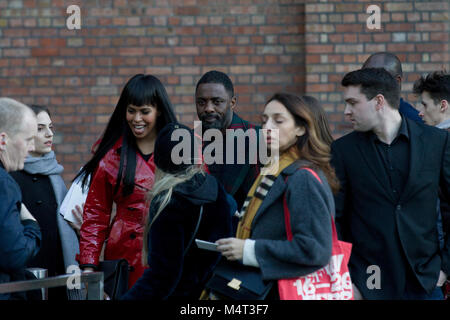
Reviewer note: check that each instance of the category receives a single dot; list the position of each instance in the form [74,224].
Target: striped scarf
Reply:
[258,192]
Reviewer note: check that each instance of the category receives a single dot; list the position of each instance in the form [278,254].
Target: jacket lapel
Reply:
[274,193]
[278,188]
[416,155]
[373,162]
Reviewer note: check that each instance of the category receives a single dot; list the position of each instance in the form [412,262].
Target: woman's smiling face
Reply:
[142,120]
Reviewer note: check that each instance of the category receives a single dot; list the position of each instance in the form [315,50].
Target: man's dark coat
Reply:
[387,233]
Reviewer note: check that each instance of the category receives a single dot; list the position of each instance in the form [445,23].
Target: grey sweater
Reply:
[311,205]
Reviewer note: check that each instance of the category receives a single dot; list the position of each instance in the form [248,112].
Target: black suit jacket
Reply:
[387,233]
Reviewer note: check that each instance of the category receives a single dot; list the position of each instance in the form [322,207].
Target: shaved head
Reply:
[12,113]
[385,60]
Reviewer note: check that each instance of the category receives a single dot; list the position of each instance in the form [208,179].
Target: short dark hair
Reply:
[437,84]
[215,76]
[375,81]
[38,109]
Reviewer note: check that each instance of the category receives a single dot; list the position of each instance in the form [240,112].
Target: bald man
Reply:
[392,64]
[20,235]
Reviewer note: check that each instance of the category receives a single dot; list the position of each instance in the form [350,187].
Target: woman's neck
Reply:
[36,155]
[146,145]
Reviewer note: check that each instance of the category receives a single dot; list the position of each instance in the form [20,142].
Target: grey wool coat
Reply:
[311,205]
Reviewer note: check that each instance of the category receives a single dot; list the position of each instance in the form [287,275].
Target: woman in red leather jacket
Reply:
[121,171]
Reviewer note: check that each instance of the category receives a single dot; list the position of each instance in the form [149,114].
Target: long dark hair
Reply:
[319,113]
[310,146]
[140,90]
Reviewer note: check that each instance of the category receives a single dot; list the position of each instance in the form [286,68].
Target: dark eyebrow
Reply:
[276,114]
[210,98]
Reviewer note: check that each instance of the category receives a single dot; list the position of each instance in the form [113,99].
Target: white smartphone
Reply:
[211,246]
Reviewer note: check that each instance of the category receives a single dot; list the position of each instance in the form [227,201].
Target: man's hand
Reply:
[87,270]
[356,293]
[442,279]
[231,248]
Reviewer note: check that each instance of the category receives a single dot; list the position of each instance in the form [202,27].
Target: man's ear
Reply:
[379,102]
[233,102]
[444,105]
[3,140]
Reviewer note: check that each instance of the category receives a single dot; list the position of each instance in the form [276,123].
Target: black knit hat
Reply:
[164,145]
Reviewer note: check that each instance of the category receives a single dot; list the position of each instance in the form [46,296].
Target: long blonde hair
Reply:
[162,192]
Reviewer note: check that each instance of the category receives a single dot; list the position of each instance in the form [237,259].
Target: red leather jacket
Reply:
[124,234]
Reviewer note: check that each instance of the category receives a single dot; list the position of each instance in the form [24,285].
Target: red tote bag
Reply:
[331,282]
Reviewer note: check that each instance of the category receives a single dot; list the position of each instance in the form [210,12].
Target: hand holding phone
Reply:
[211,246]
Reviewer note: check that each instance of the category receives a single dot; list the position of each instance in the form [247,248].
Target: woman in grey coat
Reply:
[43,190]
[294,133]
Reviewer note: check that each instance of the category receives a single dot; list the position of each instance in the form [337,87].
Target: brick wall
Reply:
[264,45]
[338,41]
[79,74]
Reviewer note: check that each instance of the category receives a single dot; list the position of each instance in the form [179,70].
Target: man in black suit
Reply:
[390,169]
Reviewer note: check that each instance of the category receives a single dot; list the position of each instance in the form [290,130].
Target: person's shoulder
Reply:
[3,173]
[301,173]
[307,183]
[19,175]
[112,156]
[423,128]
[9,189]
[308,175]
[239,123]
[6,178]
[347,139]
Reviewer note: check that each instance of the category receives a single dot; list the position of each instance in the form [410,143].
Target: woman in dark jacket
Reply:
[178,269]
[300,179]
[43,190]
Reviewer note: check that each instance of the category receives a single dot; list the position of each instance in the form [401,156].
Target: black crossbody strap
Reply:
[195,231]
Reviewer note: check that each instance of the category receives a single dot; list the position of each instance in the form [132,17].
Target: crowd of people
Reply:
[387,185]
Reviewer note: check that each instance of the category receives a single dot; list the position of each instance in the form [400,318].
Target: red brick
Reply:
[349,27]
[430,26]
[179,40]
[382,37]
[319,48]
[187,11]
[43,52]
[313,58]
[221,50]
[186,50]
[400,27]
[440,36]
[400,47]
[430,47]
